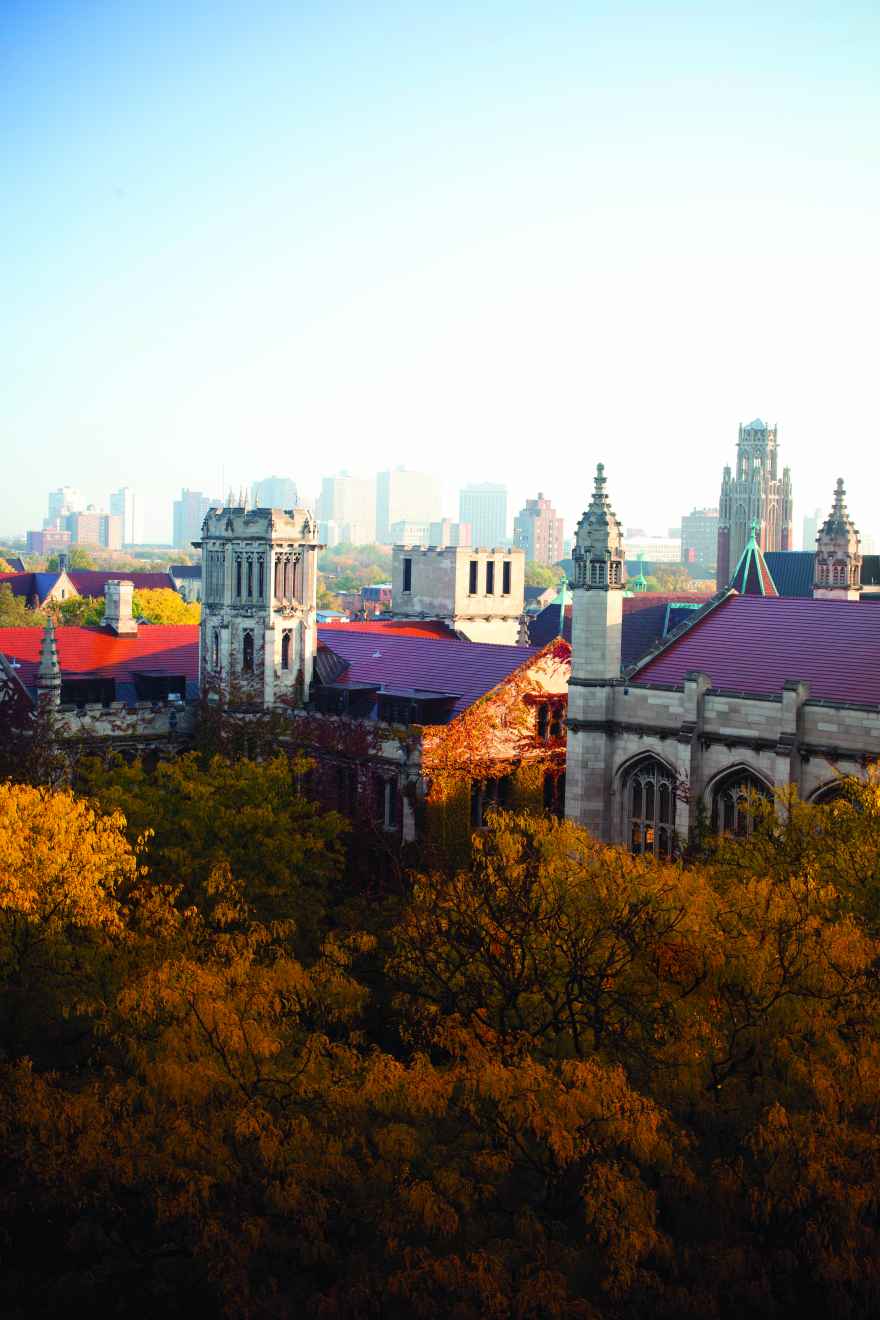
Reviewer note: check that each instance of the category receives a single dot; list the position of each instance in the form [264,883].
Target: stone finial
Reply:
[598,551]
[838,564]
[48,680]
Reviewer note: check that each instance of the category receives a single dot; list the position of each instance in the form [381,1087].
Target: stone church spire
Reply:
[598,549]
[48,680]
[597,589]
[837,574]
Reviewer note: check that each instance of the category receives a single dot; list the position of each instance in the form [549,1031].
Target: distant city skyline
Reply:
[487,242]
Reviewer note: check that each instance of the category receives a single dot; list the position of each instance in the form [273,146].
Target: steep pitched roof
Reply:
[193,572]
[756,643]
[96,653]
[30,585]
[468,669]
[91,582]
[646,618]
[792,571]
[752,577]
[16,563]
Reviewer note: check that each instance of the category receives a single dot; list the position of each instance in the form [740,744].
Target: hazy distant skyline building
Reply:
[756,494]
[811,524]
[447,532]
[274,493]
[484,505]
[123,505]
[350,503]
[92,527]
[189,514]
[537,529]
[405,496]
[64,500]
[699,537]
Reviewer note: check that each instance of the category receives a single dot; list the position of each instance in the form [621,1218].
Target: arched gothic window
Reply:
[649,806]
[731,811]
[215,649]
[247,653]
[285,650]
[833,792]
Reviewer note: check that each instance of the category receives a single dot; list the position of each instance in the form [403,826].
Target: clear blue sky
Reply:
[494,241]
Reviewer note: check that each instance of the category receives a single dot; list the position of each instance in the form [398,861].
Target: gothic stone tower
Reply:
[756,494]
[838,567]
[257,640]
[596,632]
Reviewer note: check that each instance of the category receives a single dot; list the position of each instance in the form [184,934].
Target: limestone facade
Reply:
[479,593]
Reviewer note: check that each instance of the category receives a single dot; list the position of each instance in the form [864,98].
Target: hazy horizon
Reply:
[494,245]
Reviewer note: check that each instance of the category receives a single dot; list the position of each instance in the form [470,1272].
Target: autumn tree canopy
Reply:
[559,1082]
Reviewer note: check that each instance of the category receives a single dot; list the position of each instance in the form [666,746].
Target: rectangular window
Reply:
[262,584]
[407,575]
[490,577]
[238,577]
[505,578]
[250,577]
[472,579]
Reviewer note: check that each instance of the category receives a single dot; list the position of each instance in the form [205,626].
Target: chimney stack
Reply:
[63,561]
[117,608]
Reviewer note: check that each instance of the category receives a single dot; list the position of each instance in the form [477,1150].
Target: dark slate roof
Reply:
[91,582]
[16,563]
[30,585]
[191,571]
[792,571]
[756,643]
[646,619]
[97,653]
[396,661]
[535,593]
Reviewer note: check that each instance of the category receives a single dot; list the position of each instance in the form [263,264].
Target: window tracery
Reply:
[731,808]
[649,798]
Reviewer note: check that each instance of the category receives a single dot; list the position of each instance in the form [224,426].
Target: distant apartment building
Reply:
[350,503]
[410,533]
[699,537]
[93,528]
[48,542]
[484,506]
[404,496]
[812,522]
[122,503]
[537,529]
[274,493]
[654,549]
[447,532]
[189,514]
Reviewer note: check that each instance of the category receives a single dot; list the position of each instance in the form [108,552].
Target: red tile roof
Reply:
[95,653]
[755,643]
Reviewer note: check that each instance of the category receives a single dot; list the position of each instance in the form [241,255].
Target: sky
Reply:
[496,242]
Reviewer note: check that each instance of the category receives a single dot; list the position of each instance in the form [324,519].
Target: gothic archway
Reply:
[731,796]
[648,792]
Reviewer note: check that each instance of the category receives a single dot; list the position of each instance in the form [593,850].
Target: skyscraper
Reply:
[699,537]
[537,529]
[350,503]
[812,522]
[274,493]
[484,506]
[404,496]
[122,503]
[756,494]
[189,514]
[64,500]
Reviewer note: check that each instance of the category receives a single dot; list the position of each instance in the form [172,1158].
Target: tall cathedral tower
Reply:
[756,494]
[259,580]
[596,637]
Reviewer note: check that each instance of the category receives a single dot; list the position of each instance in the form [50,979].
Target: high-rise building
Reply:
[189,514]
[64,500]
[91,527]
[757,494]
[699,537]
[484,506]
[122,503]
[48,541]
[812,522]
[274,493]
[350,503]
[404,496]
[537,529]
[447,532]
[410,533]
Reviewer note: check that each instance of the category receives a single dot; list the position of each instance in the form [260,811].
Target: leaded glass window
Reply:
[649,797]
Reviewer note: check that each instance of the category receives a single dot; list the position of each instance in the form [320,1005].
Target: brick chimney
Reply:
[117,608]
